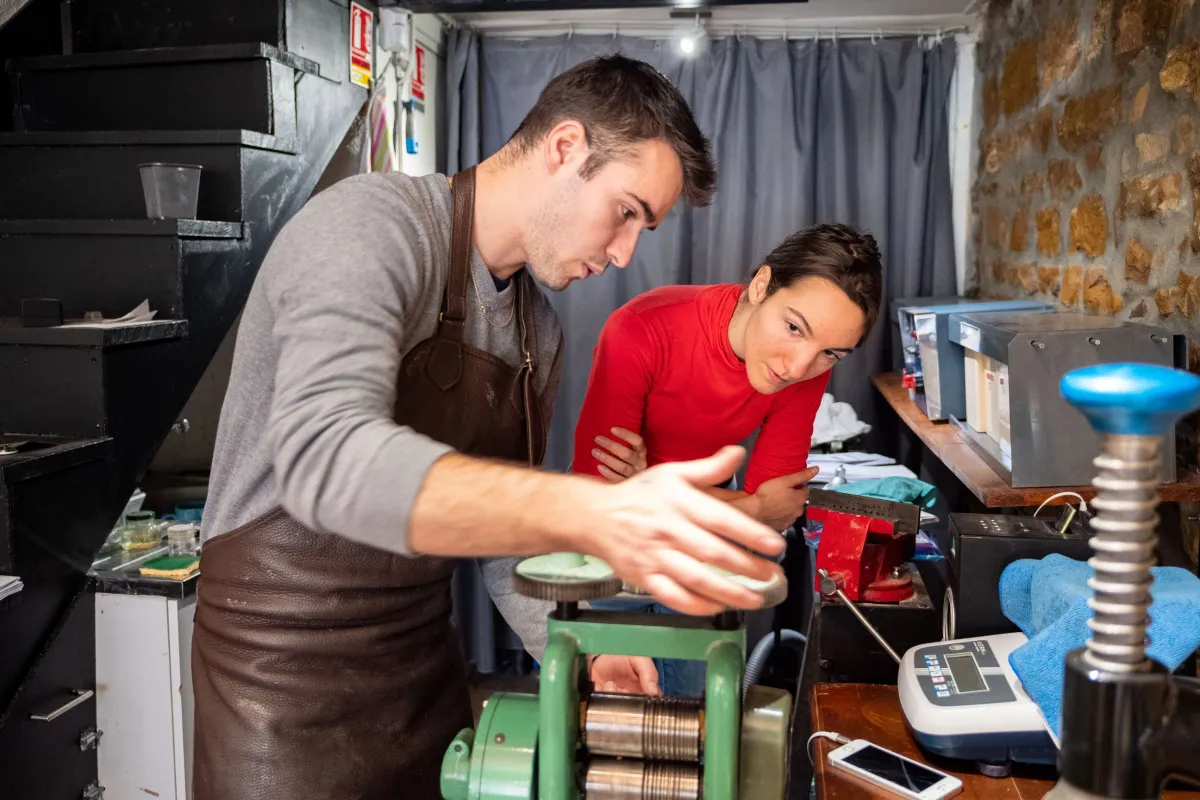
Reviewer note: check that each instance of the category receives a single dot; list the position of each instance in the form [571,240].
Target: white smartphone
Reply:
[893,771]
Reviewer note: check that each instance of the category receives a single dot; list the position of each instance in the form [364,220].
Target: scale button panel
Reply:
[962,674]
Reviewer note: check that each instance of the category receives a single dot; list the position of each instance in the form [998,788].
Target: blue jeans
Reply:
[677,677]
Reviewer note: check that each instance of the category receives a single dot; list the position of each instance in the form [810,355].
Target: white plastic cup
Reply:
[172,191]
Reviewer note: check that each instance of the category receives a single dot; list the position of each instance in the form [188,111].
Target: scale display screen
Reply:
[966,674]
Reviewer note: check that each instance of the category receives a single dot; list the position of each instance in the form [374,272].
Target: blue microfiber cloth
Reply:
[1047,600]
[895,488]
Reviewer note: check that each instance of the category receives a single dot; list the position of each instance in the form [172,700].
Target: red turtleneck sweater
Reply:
[664,368]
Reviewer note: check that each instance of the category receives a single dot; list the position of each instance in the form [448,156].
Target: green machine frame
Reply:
[528,746]
[619,634]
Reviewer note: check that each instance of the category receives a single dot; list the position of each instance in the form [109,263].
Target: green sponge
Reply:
[175,567]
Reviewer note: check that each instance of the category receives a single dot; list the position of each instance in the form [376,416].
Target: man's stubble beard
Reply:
[549,223]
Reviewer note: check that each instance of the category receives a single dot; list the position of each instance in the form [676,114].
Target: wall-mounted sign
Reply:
[362,45]
[418,75]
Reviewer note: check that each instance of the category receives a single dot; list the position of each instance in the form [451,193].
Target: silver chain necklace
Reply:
[483,309]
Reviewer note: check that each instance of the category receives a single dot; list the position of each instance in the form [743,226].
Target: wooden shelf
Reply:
[975,473]
[871,712]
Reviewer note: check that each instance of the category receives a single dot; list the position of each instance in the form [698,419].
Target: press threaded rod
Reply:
[1124,545]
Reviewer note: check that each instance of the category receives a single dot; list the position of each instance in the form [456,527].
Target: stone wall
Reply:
[1087,190]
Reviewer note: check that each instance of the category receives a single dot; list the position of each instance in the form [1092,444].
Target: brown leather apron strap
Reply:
[454,302]
[445,366]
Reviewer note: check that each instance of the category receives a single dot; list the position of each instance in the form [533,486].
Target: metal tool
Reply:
[829,588]
[565,577]
[1127,723]
[865,544]
[568,740]
[839,477]
[614,779]
[637,726]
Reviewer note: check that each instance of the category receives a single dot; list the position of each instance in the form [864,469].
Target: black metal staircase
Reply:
[255,91]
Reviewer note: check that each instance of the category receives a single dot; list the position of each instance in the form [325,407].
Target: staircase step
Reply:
[86,335]
[103,181]
[190,88]
[108,265]
[121,138]
[37,29]
[166,55]
[36,456]
[314,29]
[100,25]
[183,228]
[61,381]
[34,463]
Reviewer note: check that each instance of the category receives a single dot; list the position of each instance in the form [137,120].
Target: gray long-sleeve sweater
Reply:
[350,285]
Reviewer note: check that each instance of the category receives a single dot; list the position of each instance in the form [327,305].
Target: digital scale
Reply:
[961,699]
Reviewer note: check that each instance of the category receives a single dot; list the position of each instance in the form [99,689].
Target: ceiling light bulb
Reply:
[688,45]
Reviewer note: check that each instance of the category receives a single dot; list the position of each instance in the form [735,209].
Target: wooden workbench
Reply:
[975,473]
[863,711]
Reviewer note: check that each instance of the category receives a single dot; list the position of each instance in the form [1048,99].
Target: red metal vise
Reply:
[865,544]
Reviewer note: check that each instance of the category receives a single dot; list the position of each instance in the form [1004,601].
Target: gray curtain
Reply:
[848,130]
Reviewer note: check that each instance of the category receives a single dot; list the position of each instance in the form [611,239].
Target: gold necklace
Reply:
[483,309]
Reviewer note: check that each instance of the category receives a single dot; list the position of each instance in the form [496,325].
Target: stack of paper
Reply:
[10,584]
[140,315]
[859,466]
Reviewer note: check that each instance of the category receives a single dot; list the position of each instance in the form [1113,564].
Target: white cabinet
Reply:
[144,695]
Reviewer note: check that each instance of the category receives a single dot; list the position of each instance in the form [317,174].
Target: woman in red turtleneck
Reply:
[681,371]
[685,370]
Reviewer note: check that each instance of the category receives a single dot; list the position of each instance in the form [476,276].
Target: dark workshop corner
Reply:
[256,93]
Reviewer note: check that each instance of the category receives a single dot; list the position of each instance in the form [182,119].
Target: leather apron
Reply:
[324,668]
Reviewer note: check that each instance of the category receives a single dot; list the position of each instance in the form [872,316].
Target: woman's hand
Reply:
[781,500]
[618,461]
[625,675]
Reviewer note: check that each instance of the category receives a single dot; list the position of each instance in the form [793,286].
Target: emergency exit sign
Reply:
[362,45]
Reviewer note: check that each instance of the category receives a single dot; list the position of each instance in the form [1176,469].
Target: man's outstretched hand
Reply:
[660,531]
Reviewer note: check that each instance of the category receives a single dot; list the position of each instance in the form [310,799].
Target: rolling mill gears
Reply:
[570,743]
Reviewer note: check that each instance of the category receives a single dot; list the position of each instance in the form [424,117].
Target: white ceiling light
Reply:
[693,41]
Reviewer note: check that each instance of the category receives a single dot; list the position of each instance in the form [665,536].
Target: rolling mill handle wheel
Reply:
[1126,720]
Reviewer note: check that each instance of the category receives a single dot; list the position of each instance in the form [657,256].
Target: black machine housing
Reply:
[981,546]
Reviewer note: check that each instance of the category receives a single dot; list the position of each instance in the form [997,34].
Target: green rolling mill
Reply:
[568,742]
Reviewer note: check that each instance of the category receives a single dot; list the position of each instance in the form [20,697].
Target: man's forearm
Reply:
[469,507]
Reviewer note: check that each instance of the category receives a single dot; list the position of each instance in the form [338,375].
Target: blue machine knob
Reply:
[1132,399]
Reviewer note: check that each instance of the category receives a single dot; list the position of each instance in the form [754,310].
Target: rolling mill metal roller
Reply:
[569,742]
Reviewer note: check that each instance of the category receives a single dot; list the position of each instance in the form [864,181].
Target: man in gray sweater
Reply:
[395,365]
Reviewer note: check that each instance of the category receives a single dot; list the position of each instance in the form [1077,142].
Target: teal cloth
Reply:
[896,489]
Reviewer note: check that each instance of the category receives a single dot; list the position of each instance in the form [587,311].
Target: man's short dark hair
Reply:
[843,255]
[622,102]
